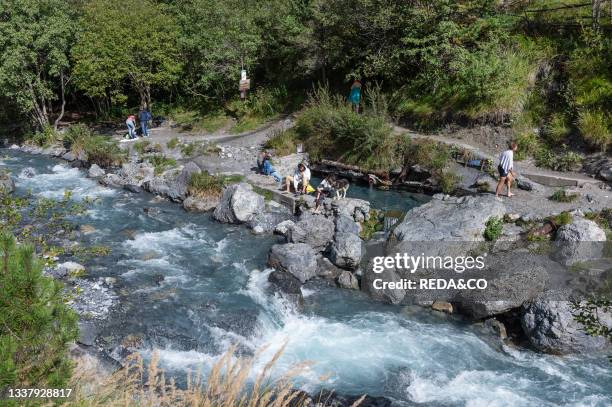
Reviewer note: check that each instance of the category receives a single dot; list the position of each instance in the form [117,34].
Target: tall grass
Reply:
[330,129]
[227,385]
[99,149]
[596,128]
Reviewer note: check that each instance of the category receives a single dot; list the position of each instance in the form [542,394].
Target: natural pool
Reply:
[192,287]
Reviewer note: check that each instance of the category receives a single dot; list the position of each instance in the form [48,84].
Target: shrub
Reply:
[448,181]
[493,228]
[283,142]
[556,130]
[172,143]
[99,150]
[373,224]
[596,128]
[564,218]
[35,323]
[161,163]
[330,129]
[205,184]
[562,195]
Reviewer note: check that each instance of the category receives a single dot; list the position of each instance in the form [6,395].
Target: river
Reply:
[192,287]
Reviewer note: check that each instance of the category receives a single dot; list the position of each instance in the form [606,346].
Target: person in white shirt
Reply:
[300,179]
[506,170]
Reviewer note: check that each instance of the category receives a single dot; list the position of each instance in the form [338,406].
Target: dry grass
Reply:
[226,385]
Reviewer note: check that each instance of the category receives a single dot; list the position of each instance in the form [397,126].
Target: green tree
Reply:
[35,323]
[133,41]
[35,41]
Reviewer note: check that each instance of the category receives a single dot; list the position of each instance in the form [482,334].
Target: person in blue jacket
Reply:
[144,116]
[355,95]
[268,169]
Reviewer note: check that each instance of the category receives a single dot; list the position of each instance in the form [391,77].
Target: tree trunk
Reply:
[63,95]
[595,12]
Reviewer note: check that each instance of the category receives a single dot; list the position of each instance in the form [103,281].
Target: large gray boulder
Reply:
[347,280]
[346,251]
[112,180]
[456,219]
[268,220]
[7,185]
[200,203]
[372,284]
[551,327]
[297,259]
[179,188]
[513,279]
[288,287]
[238,204]
[346,224]
[163,185]
[358,209]
[95,171]
[136,174]
[315,230]
[581,240]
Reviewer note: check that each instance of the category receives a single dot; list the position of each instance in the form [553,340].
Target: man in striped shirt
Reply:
[506,169]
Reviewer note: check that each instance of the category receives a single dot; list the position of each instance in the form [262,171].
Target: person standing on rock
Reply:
[300,179]
[506,170]
[145,116]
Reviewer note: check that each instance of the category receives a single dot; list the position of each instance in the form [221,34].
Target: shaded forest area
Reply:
[541,66]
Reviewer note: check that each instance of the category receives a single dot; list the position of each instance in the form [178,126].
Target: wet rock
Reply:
[112,180]
[7,185]
[346,224]
[314,230]
[346,250]
[200,204]
[238,204]
[163,185]
[390,295]
[442,306]
[581,240]
[347,280]
[288,287]
[298,259]
[68,269]
[132,188]
[87,229]
[551,327]
[326,269]
[69,156]
[284,227]
[269,219]
[497,327]
[136,174]
[27,172]
[95,171]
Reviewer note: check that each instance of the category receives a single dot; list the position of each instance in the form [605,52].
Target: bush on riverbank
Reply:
[203,184]
[329,128]
[100,150]
[35,323]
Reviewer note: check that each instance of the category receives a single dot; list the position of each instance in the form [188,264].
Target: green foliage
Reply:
[562,195]
[564,218]
[282,141]
[205,184]
[588,312]
[126,40]
[373,224]
[100,150]
[161,163]
[556,129]
[493,228]
[596,128]
[172,143]
[331,129]
[35,323]
[35,41]
[45,137]
[448,181]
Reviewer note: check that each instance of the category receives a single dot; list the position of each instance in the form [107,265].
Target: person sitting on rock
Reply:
[268,169]
[324,189]
[300,179]
[506,170]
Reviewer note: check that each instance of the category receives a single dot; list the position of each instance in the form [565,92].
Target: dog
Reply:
[341,186]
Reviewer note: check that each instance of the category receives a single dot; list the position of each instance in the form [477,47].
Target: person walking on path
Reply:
[506,170]
[131,125]
[355,95]
[145,116]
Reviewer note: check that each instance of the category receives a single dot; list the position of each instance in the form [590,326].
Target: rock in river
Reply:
[298,259]
[7,185]
[581,240]
[346,250]
[315,230]
[238,204]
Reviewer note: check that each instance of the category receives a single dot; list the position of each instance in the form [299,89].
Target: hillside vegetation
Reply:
[539,66]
